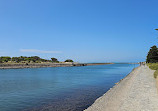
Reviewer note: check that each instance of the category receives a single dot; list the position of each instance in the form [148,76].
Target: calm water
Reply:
[57,88]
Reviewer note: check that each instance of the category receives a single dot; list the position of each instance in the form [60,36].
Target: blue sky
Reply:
[83,30]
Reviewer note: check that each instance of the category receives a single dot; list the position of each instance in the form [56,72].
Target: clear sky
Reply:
[82,30]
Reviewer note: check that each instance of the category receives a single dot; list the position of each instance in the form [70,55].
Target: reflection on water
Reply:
[57,88]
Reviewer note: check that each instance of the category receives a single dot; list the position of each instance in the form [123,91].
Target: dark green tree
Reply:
[69,60]
[54,60]
[152,56]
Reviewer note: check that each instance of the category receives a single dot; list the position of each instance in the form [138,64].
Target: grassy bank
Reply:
[154,66]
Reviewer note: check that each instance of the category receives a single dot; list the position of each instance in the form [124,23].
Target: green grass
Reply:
[156,74]
[154,66]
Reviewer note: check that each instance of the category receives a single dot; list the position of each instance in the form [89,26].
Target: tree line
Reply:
[32,59]
[152,56]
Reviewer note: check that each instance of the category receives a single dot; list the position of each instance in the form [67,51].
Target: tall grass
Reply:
[154,66]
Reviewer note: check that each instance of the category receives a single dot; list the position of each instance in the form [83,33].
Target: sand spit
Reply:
[136,92]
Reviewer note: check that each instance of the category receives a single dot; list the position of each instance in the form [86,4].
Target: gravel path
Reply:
[136,92]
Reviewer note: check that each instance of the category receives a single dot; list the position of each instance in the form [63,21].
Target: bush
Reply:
[154,66]
[54,60]
[69,60]
[5,58]
[156,74]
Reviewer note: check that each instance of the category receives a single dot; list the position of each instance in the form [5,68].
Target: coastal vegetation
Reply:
[152,56]
[32,59]
[54,60]
[154,66]
[152,59]
[69,60]
[7,62]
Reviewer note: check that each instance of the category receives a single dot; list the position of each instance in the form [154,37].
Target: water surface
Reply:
[57,88]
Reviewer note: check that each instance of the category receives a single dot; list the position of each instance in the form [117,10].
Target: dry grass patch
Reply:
[154,66]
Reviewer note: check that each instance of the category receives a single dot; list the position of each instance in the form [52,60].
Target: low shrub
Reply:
[154,66]
[156,74]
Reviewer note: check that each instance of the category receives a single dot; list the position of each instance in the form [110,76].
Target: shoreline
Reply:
[40,65]
[108,94]
[130,93]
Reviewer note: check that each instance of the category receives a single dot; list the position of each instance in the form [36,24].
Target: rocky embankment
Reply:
[37,65]
[136,92]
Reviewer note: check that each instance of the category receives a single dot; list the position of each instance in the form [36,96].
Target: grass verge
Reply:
[154,66]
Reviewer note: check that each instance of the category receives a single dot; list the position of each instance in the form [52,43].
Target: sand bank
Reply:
[136,92]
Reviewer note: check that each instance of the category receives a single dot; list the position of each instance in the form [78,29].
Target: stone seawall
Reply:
[37,65]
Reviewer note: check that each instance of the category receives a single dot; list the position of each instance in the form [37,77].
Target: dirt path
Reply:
[136,92]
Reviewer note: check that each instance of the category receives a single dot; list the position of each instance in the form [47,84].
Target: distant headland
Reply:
[7,62]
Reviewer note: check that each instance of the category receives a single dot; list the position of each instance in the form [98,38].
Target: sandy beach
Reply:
[136,92]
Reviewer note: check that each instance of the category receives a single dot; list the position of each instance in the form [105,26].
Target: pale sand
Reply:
[136,92]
